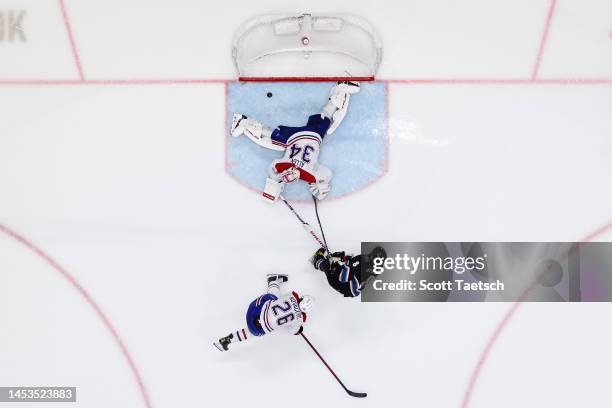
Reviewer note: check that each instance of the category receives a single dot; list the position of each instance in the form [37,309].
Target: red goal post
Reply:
[306,47]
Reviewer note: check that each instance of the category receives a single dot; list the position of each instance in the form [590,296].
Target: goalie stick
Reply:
[349,392]
[306,225]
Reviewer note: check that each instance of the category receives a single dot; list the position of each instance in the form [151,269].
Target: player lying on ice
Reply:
[270,312]
[346,273]
[300,144]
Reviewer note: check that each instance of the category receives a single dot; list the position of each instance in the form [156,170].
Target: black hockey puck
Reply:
[269,94]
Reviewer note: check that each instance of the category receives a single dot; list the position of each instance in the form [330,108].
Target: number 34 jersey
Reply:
[283,313]
[302,146]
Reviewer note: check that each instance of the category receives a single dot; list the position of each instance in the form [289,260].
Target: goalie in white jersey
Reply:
[271,312]
[300,144]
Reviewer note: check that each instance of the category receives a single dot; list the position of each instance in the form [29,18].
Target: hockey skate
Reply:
[277,276]
[254,130]
[351,87]
[274,282]
[238,124]
[243,125]
[224,342]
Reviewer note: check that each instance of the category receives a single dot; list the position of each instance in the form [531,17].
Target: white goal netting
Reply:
[307,46]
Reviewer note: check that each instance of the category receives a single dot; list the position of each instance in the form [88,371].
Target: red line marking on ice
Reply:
[75,52]
[544,40]
[501,81]
[226,127]
[387,128]
[305,79]
[503,324]
[175,81]
[105,320]
[406,81]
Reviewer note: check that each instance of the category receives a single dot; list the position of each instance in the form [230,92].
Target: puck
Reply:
[269,94]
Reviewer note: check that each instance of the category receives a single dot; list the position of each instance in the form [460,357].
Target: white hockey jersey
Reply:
[302,152]
[302,145]
[283,313]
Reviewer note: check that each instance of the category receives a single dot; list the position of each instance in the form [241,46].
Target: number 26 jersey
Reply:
[283,313]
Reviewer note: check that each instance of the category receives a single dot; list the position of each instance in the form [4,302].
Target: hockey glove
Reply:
[319,190]
[320,260]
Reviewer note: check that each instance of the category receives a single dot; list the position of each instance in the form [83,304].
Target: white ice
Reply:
[124,186]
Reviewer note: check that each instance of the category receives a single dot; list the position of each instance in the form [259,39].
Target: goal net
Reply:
[306,47]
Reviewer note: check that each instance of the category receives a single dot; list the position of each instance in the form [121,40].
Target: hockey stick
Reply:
[319,221]
[349,392]
[306,225]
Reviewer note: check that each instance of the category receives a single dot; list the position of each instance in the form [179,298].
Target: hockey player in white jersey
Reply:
[270,312]
[300,144]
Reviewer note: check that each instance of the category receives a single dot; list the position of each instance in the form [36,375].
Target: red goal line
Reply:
[305,79]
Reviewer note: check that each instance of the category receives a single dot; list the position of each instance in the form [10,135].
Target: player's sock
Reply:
[239,335]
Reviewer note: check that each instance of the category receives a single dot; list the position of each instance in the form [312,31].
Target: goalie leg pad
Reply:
[338,94]
[253,129]
[339,115]
[339,98]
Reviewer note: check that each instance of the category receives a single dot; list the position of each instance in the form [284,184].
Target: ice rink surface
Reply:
[126,248]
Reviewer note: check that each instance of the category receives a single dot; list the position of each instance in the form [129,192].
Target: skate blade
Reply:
[283,276]
[218,346]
